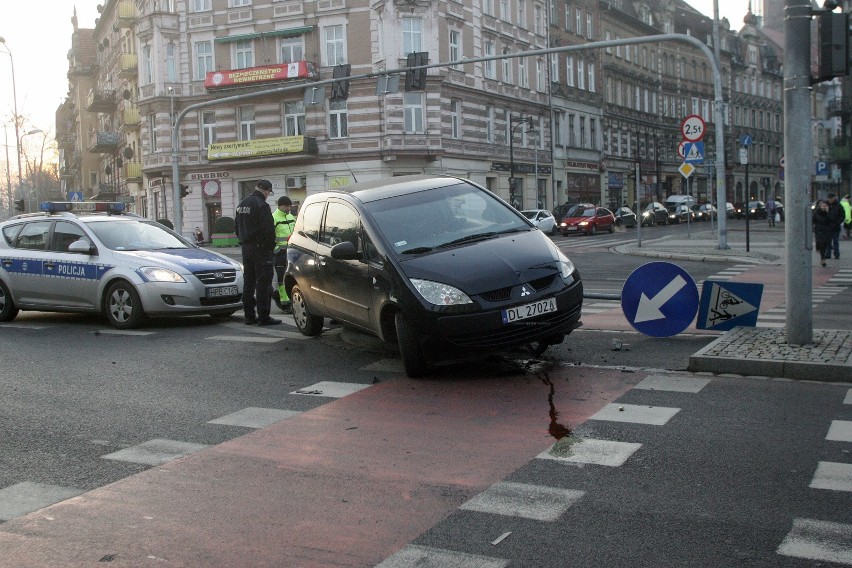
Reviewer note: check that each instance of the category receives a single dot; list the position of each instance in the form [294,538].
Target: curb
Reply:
[625,249]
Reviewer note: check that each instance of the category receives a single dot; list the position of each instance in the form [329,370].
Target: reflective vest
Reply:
[283,228]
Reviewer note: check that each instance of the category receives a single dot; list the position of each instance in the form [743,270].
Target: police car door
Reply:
[345,284]
[24,263]
[72,278]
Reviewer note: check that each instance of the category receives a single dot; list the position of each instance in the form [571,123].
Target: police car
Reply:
[94,257]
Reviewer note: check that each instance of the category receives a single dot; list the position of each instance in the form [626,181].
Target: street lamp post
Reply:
[513,124]
[15,108]
[20,174]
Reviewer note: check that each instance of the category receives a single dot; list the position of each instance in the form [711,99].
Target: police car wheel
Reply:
[122,306]
[8,311]
[307,323]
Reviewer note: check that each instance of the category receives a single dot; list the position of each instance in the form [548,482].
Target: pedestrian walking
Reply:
[847,219]
[255,228]
[823,231]
[835,217]
[284,222]
[770,212]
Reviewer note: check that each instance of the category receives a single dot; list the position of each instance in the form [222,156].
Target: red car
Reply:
[588,220]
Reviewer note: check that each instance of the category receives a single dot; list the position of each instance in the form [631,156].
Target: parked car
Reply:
[624,217]
[730,210]
[588,220]
[655,213]
[543,219]
[705,212]
[679,214]
[438,266]
[91,257]
[755,210]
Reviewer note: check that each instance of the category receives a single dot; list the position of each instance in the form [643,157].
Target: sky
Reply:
[38,33]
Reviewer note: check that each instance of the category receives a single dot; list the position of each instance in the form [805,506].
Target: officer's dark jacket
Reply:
[253,222]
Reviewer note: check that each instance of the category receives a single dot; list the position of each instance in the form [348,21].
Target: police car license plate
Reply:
[511,315]
[221,291]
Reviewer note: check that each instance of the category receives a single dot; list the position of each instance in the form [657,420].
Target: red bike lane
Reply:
[345,484]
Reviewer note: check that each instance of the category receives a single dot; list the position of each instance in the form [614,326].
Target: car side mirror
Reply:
[344,251]
[84,246]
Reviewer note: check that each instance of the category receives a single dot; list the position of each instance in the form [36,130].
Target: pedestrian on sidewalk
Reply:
[835,216]
[255,228]
[847,220]
[770,212]
[823,231]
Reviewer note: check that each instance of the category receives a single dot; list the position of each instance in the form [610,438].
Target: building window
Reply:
[558,118]
[504,10]
[591,72]
[569,70]
[337,119]
[203,59]
[523,76]
[202,5]
[335,51]
[412,35]
[294,118]
[572,135]
[488,7]
[455,46]
[507,67]
[455,117]
[581,77]
[593,133]
[589,29]
[413,112]
[522,13]
[490,68]
[583,142]
[208,128]
[539,75]
[147,66]
[239,3]
[489,125]
[538,16]
[507,127]
[554,67]
[248,127]
[171,67]
[568,14]
[292,50]
[578,23]
[608,37]
[243,54]
[152,131]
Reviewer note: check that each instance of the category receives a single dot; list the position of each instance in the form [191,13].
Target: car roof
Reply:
[383,188]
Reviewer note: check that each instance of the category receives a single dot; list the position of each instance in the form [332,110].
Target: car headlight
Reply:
[565,264]
[583,223]
[157,274]
[440,294]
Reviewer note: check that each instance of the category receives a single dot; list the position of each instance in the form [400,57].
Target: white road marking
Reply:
[674,384]
[330,389]
[429,557]
[25,497]
[253,417]
[638,414]
[818,540]
[832,476]
[591,451]
[535,502]
[246,338]
[840,431]
[155,452]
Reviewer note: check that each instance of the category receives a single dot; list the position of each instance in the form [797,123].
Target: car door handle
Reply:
[49,265]
[6,262]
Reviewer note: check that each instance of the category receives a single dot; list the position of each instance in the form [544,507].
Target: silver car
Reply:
[91,257]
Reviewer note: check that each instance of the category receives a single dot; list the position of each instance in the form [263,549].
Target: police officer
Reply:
[284,222]
[256,230]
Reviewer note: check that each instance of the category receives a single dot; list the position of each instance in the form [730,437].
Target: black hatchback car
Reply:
[438,266]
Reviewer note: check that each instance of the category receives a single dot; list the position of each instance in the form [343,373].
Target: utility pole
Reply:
[798,145]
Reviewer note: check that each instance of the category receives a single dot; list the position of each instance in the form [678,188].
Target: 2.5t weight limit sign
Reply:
[692,128]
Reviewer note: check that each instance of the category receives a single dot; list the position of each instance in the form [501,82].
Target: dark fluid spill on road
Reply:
[555,429]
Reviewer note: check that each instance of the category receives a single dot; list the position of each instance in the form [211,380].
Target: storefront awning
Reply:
[289,32]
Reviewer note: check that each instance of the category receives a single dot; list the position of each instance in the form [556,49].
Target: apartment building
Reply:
[247,81]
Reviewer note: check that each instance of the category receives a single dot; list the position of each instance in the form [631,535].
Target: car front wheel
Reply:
[8,311]
[307,323]
[413,360]
[122,306]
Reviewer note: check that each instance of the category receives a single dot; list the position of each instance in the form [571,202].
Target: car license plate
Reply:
[221,291]
[572,228]
[511,315]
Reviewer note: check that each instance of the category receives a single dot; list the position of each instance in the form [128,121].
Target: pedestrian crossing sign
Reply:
[75,196]
[693,152]
[726,305]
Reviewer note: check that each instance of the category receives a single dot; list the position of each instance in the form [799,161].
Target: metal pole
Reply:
[511,162]
[718,119]
[798,145]
[15,107]
[8,171]
[747,202]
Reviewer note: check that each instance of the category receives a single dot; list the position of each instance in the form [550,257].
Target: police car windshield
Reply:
[135,235]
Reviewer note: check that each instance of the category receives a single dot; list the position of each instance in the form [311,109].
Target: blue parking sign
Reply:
[659,299]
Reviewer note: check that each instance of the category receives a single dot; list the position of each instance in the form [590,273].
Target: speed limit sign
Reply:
[692,128]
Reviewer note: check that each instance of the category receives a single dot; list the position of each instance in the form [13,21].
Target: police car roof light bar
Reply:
[91,206]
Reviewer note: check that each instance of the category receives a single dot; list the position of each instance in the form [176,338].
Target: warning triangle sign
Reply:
[725,306]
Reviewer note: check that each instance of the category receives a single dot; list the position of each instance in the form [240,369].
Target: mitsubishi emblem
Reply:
[525,292]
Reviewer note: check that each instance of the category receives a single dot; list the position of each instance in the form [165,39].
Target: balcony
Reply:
[840,150]
[128,66]
[130,119]
[838,106]
[126,13]
[133,171]
[101,101]
[103,142]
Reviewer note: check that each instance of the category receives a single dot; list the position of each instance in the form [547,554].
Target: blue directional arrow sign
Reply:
[693,152]
[659,299]
[726,305]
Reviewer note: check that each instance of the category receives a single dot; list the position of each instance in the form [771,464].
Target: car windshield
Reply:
[132,235]
[754,203]
[587,213]
[444,216]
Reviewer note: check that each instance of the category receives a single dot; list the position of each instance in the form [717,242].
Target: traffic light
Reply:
[415,79]
[184,190]
[833,45]
[340,89]
[19,205]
